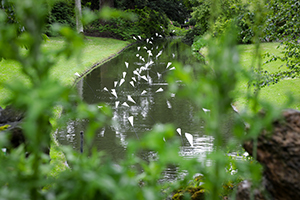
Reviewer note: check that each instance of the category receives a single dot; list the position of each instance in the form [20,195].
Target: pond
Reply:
[134,85]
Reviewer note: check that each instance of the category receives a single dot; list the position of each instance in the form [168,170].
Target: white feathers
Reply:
[129,98]
[144,77]
[168,65]
[139,37]
[131,83]
[126,63]
[130,119]
[189,137]
[122,81]
[147,40]
[77,74]
[160,90]
[134,38]
[105,89]
[125,104]
[117,104]
[137,55]
[159,53]
[113,92]
[205,110]
[173,68]
[169,105]
[138,48]
[134,79]
[144,92]
[124,74]
[158,75]
[115,83]
[178,131]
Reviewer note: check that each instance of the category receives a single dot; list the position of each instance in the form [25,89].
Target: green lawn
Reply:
[95,50]
[277,94]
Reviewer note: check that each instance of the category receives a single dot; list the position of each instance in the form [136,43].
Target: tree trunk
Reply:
[79,26]
[279,153]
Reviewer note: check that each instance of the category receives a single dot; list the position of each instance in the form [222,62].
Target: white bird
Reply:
[159,53]
[139,37]
[145,48]
[124,74]
[144,77]
[137,55]
[134,79]
[134,37]
[178,131]
[158,75]
[113,92]
[169,105]
[205,110]
[136,73]
[156,34]
[105,89]
[160,36]
[189,137]
[159,90]
[172,95]
[125,104]
[126,63]
[173,68]
[147,40]
[168,65]
[122,81]
[129,98]
[138,48]
[130,119]
[100,106]
[149,52]
[150,42]
[173,55]
[132,83]
[77,74]
[115,83]
[144,92]
[117,104]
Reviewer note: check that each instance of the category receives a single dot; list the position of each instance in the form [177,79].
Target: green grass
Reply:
[277,94]
[95,50]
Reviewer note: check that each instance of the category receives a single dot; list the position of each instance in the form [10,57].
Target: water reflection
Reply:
[134,85]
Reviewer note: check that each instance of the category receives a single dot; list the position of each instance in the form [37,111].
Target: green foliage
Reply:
[93,175]
[62,13]
[146,24]
[176,10]
[228,12]
[192,34]
[283,25]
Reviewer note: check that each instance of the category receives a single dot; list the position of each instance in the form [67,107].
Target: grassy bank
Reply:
[95,50]
[277,94]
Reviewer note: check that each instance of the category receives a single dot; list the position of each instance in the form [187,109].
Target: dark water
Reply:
[139,99]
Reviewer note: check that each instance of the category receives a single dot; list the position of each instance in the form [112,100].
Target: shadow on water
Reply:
[134,85]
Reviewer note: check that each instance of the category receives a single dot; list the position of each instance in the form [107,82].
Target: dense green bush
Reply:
[230,11]
[62,12]
[148,22]
[192,34]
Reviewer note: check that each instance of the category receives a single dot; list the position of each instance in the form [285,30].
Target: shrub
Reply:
[147,24]
[61,13]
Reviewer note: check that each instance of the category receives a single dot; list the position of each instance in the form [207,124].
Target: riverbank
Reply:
[95,50]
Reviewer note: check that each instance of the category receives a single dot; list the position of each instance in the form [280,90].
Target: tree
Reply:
[79,26]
